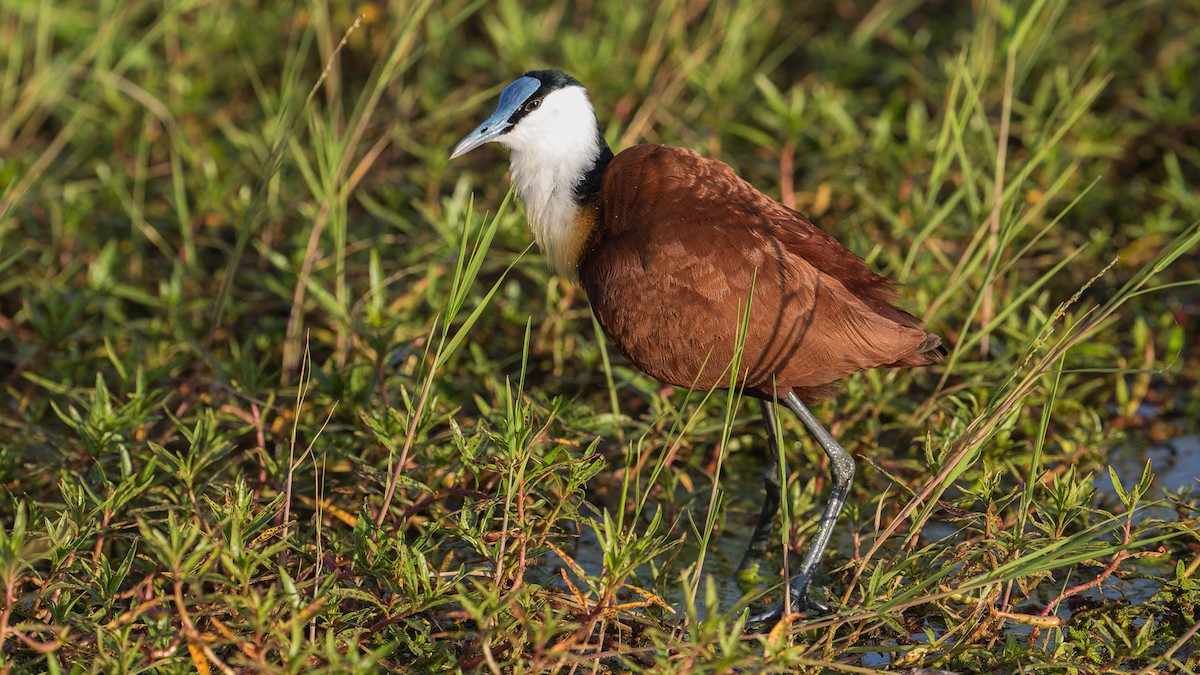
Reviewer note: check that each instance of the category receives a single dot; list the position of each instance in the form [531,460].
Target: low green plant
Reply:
[277,397]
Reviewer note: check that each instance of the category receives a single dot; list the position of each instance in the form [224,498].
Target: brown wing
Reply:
[681,243]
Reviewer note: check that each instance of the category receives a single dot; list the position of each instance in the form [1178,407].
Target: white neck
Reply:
[553,148]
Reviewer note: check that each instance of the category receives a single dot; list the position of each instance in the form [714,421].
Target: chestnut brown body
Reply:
[681,245]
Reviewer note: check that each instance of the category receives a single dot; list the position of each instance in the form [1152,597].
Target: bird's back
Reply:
[682,245]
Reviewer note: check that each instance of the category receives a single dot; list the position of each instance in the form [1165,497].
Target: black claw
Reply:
[802,597]
[802,603]
[814,607]
[765,620]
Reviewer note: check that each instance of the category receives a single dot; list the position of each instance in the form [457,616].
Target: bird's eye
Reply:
[533,105]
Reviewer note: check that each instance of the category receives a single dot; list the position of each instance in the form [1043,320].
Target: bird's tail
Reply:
[930,351]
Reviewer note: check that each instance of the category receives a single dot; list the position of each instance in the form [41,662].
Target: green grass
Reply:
[286,390]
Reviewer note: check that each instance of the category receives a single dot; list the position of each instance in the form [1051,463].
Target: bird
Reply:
[683,263]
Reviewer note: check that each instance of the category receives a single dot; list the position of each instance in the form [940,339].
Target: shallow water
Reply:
[721,558]
[1176,465]
[742,492]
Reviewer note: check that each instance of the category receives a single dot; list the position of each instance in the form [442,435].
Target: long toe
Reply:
[803,600]
[810,606]
[764,620]
[804,604]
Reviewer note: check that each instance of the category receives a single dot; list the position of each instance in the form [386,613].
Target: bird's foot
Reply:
[802,603]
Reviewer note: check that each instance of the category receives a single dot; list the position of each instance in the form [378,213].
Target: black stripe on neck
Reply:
[593,179]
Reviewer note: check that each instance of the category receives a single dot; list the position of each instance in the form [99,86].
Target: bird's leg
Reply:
[841,465]
[770,505]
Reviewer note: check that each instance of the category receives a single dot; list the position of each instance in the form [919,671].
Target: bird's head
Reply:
[543,112]
[558,158]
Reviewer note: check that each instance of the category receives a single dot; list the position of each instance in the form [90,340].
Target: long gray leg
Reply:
[841,466]
[773,494]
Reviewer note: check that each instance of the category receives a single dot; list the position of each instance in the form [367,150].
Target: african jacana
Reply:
[668,245]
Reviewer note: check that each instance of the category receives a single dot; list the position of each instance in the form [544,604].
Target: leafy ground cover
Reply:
[285,390]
